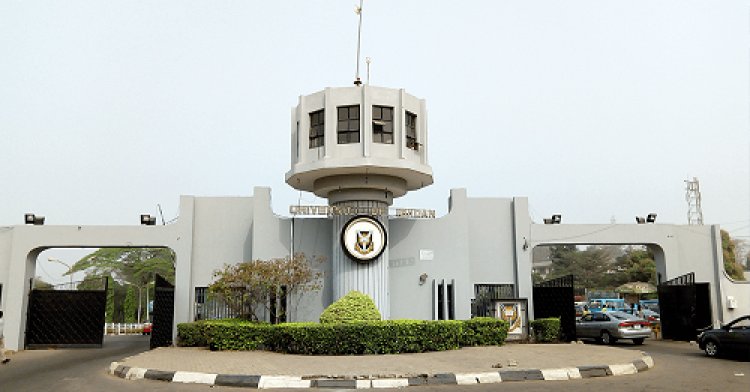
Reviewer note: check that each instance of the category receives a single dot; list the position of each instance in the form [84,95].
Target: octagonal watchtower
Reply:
[359,143]
[360,147]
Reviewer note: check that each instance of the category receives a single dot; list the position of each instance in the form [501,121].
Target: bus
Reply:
[597,304]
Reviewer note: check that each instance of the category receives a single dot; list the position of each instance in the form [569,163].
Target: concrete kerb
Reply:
[275,381]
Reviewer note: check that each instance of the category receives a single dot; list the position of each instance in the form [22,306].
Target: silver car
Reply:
[608,327]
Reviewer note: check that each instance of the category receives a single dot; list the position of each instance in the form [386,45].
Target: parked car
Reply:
[147,328]
[733,337]
[651,316]
[608,327]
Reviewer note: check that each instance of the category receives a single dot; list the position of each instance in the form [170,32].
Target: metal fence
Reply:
[123,328]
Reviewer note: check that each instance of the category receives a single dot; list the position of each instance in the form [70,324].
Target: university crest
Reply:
[364,242]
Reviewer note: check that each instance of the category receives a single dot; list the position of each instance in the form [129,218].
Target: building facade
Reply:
[361,147]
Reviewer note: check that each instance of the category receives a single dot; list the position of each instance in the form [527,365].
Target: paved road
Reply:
[679,367]
[79,370]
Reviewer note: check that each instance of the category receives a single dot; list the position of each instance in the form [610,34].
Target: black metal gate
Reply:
[163,315]
[66,318]
[685,307]
[555,298]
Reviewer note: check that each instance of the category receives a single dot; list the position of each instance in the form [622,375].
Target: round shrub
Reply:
[351,308]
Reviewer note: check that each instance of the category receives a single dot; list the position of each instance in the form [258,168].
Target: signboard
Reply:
[374,211]
[514,312]
[363,238]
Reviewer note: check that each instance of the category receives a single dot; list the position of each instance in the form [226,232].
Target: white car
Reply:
[608,327]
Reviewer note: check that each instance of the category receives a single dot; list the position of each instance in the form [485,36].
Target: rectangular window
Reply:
[348,124]
[444,299]
[382,124]
[411,131]
[440,296]
[317,128]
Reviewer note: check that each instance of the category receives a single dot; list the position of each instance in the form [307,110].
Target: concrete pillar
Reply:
[369,277]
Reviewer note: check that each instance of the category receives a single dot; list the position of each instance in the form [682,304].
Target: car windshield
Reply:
[743,324]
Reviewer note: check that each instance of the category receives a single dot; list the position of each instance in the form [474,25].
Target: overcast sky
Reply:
[595,110]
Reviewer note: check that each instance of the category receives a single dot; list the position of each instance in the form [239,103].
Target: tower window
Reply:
[411,131]
[382,124]
[317,128]
[348,124]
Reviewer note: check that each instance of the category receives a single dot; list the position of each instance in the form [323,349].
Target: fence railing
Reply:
[123,328]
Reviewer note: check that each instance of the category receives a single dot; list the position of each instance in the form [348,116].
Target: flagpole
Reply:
[357,80]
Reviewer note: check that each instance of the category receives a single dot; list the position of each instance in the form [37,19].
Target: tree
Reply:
[40,284]
[250,286]
[591,267]
[636,265]
[728,247]
[127,267]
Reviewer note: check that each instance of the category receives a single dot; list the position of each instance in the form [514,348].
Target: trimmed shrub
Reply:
[364,337]
[370,337]
[232,335]
[546,329]
[192,334]
[484,331]
[353,307]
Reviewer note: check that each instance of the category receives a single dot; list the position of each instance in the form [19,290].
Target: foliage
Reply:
[592,267]
[248,286]
[353,307]
[636,265]
[603,267]
[40,284]
[546,329]
[484,331]
[127,267]
[192,334]
[367,337]
[130,307]
[135,266]
[729,251]
[234,335]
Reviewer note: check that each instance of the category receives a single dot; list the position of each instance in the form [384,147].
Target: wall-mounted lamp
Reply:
[525,245]
[32,219]
[555,220]
[650,218]
[148,220]
[422,278]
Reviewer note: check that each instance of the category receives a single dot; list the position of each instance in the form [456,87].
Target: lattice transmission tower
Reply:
[693,198]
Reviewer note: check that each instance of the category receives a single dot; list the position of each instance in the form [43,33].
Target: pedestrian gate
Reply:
[163,315]
[66,318]
[685,307]
[556,298]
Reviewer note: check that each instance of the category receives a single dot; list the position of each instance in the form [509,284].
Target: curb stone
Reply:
[267,382]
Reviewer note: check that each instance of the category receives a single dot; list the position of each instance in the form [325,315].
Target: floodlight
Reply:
[148,220]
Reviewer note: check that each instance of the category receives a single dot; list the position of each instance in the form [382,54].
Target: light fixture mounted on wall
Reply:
[422,278]
[554,220]
[650,218]
[148,220]
[32,219]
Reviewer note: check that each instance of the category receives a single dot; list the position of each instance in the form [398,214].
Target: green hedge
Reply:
[367,337]
[192,334]
[546,329]
[484,331]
